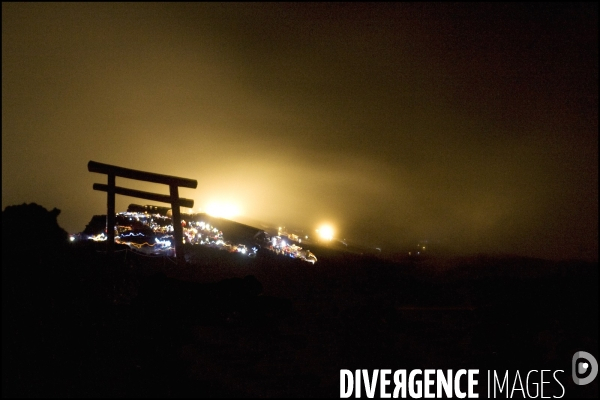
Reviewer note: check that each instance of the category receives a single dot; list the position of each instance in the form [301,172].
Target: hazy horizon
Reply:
[471,124]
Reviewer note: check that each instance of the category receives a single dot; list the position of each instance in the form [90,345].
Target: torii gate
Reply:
[173,198]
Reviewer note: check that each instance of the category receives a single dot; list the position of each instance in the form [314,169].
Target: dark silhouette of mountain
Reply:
[79,323]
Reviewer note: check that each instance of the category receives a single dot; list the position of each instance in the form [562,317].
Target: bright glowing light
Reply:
[325,232]
[131,234]
[164,243]
[99,238]
[221,210]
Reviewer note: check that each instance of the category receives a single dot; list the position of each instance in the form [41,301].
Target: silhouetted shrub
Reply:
[30,229]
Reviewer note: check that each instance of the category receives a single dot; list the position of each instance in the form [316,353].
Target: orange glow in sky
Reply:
[222,210]
[393,122]
[325,232]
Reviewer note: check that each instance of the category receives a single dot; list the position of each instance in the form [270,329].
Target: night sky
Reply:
[470,125]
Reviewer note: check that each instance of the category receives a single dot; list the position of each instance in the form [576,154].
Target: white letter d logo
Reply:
[582,367]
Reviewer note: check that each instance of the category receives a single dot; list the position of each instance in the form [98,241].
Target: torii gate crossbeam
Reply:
[173,198]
